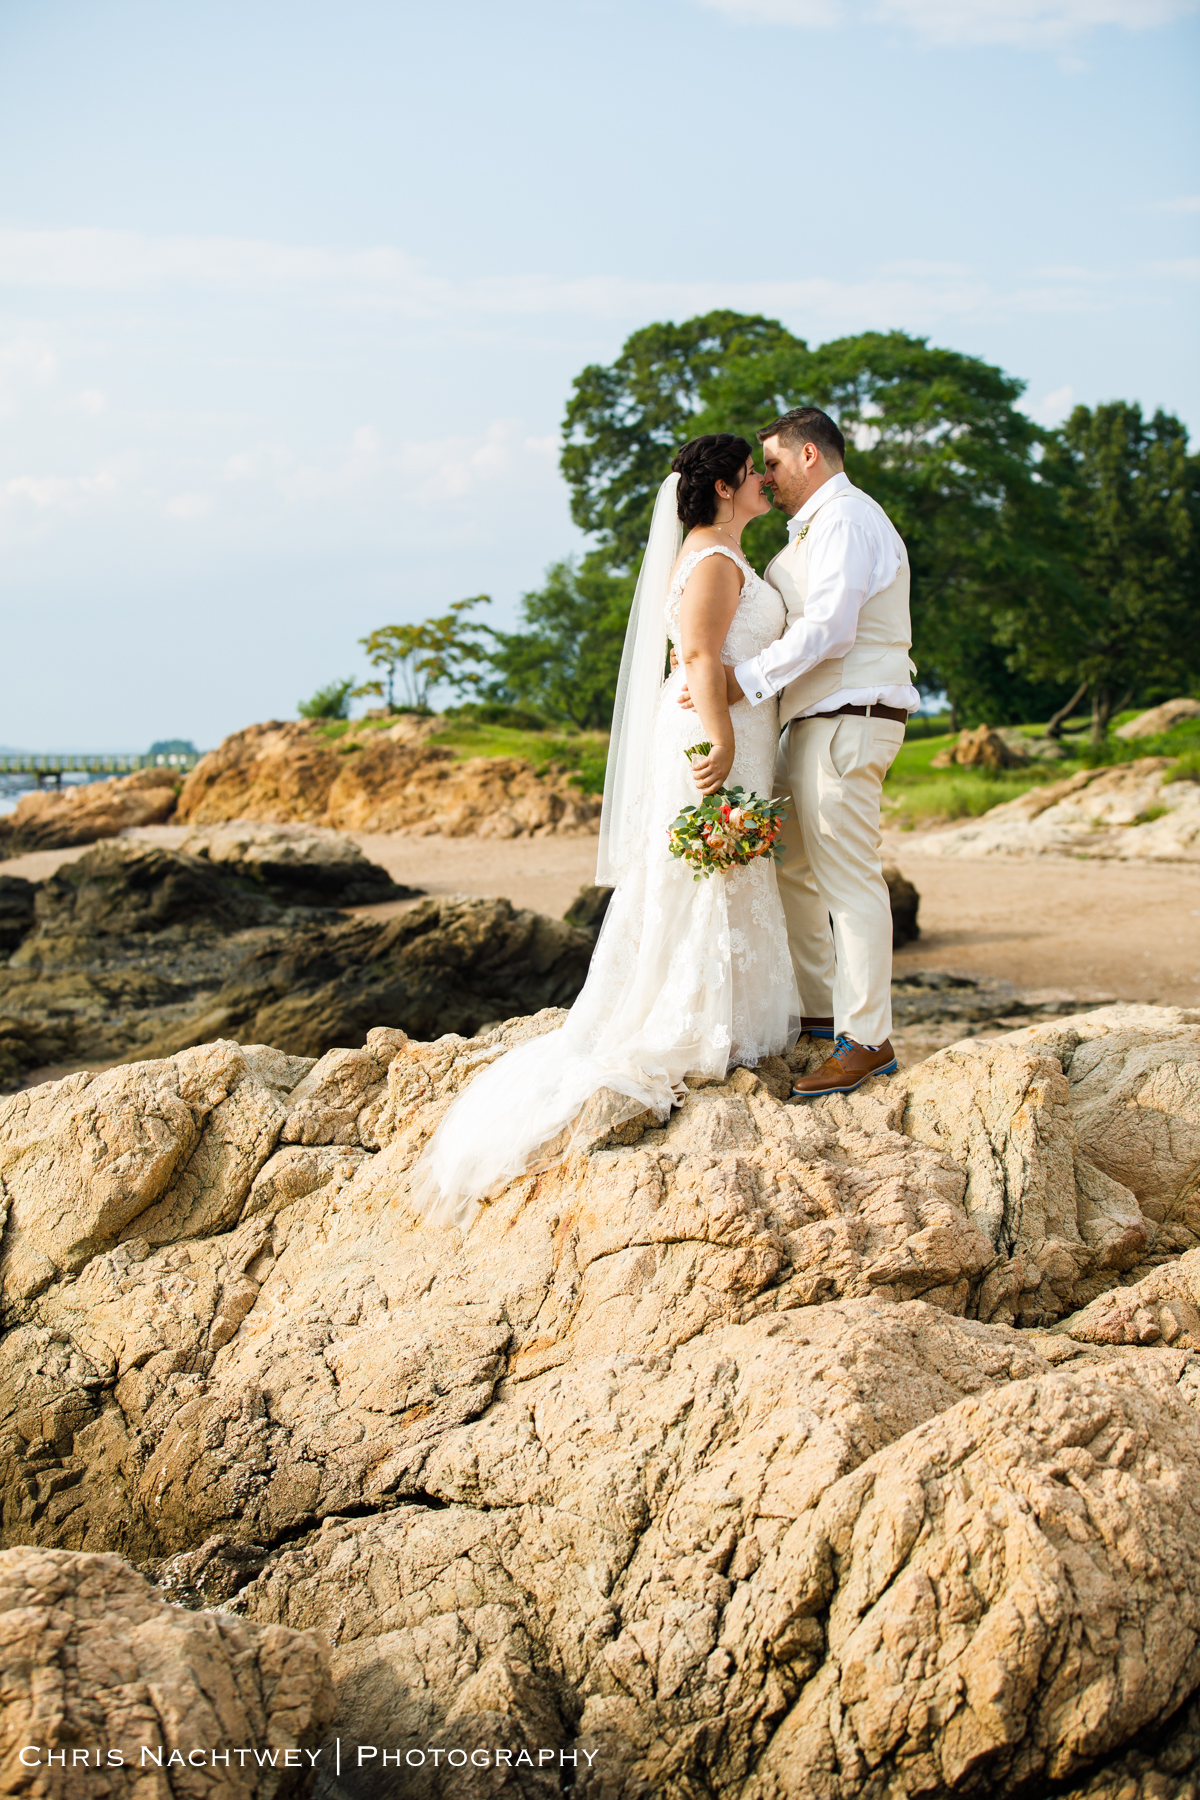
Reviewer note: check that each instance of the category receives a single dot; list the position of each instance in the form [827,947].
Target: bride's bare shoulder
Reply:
[706,537]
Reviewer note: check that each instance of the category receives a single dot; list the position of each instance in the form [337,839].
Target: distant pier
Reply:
[50,767]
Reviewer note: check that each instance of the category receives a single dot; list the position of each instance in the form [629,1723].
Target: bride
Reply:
[688,976]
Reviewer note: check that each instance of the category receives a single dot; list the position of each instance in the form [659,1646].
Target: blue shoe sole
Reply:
[818,1031]
[803,1094]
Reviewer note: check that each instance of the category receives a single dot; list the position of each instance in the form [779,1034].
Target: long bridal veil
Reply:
[639,685]
[658,1001]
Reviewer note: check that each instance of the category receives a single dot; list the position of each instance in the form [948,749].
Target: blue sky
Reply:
[291,295]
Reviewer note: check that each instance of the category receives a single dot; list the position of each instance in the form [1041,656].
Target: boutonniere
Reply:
[803,531]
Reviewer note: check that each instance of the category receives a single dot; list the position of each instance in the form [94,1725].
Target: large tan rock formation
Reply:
[379,779]
[712,1455]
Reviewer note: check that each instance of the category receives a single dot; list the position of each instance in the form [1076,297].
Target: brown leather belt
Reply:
[877,711]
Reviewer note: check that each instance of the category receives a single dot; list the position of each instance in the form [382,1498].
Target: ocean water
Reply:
[14,787]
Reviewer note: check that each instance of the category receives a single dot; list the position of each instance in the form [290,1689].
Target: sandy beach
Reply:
[1095,930]
[1085,928]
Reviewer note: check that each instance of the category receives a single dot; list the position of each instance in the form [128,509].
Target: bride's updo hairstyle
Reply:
[700,465]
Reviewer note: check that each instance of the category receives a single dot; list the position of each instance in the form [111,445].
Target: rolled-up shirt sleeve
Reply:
[841,563]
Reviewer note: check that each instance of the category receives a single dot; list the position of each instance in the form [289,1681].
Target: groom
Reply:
[844,679]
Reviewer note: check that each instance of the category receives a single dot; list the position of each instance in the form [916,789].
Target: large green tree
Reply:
[624,422]
[626,419]
[1032,564]
[935,435]
[1127,626]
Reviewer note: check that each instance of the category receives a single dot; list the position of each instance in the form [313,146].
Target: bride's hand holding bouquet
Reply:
[728,829]
[711,764]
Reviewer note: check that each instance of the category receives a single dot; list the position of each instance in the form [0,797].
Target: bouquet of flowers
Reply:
[727,829]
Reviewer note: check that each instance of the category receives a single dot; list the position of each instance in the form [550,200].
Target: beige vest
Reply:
[879,657]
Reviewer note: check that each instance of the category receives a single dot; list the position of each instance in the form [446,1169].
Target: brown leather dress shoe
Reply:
[850,1065]
[818,1028]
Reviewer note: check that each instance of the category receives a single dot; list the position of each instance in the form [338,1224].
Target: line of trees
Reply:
[1051,568]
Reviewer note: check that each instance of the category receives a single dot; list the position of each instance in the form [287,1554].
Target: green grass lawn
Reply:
[914,793]
[579,754]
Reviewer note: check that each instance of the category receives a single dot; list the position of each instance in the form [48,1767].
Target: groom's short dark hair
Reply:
[807,425]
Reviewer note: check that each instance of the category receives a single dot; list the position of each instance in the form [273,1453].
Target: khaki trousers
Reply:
[832,769]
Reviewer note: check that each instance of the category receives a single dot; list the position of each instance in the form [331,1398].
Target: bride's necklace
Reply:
[731,538]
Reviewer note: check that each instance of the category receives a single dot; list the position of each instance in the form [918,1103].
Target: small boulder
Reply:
[123,888]
[983,748]
[586,911]
[1164,1307]
[905,901]
[298,865]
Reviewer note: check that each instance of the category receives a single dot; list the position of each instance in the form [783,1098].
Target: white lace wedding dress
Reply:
[688,977]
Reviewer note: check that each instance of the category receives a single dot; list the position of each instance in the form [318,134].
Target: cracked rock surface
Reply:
[849,1449]
[109,1690]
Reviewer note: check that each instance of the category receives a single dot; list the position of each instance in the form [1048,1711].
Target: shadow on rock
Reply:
[137,951]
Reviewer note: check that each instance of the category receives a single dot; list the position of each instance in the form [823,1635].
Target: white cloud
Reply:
[816,15]
[188,506]
[370,475]
[1024,23]
[909,295]
[58,493]
[424,474]
[257,462]
[28,359]
[123,261]
[26,365]
[1053,408]
[360,465]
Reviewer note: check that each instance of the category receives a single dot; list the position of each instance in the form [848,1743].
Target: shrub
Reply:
[494,712]
[329,702]
[1186,769]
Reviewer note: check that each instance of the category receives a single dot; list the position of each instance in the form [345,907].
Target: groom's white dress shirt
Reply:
[854,551]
